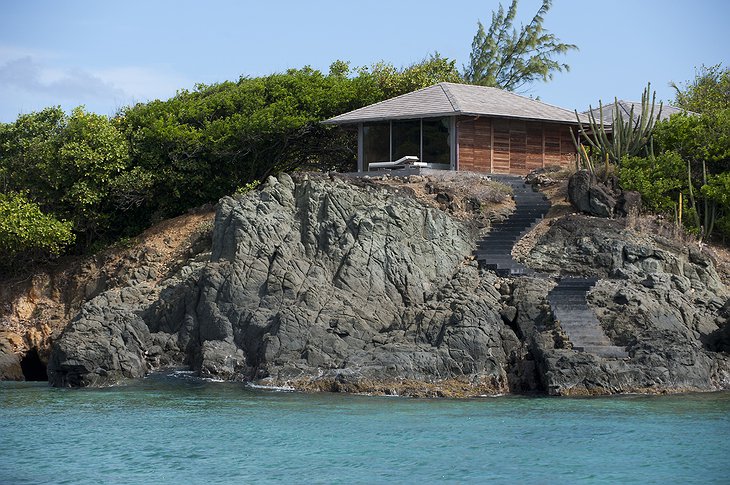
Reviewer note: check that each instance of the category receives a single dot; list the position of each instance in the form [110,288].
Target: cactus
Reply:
[582,160]
[626,138]
[706,224]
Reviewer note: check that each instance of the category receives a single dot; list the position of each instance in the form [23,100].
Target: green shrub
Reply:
[26,231]
[658,179]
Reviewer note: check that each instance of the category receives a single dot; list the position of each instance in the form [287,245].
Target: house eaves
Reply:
[451,99]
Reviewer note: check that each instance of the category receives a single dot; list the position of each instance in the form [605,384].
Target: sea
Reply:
[173,428]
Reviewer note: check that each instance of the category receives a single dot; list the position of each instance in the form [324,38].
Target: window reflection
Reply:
[376,143]
[436,141]
[406,139]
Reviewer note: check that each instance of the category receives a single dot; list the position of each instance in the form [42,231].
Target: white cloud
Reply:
[31,80]
[26,75]
[142,83]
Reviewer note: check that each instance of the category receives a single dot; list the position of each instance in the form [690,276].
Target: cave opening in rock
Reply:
[33,367]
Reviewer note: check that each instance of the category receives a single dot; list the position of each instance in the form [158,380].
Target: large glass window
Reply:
[427,139]
[376,143]
[406,139]
[436,147]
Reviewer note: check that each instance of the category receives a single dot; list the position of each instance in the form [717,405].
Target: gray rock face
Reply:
[106,342]
[320,284]
[661,300]
[313,281]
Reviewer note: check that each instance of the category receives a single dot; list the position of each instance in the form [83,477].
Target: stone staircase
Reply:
[494,251]
[568,299]
[570,307]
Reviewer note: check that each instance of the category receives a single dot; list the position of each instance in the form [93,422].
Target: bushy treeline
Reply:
[689,178]
[84,179]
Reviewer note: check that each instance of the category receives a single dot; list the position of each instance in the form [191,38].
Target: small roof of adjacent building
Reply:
[451,99]
[625,111]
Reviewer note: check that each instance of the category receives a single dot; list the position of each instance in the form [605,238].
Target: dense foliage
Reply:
[709,92]
[112,177]
[508,58]
[68,165]
[27,233]
[658,179]
[690,176]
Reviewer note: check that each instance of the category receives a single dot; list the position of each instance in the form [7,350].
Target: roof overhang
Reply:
[334,121]
[451,99]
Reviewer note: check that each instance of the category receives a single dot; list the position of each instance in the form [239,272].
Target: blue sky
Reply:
[107,54]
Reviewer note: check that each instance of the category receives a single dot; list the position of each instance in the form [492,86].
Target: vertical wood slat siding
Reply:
[466,145]
[534,146]
[518,147]
[483,145]
[475,144]
[512,146]
[552,145]
[501,146]
[567,147]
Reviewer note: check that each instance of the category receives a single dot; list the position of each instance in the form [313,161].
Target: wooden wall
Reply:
[497,145]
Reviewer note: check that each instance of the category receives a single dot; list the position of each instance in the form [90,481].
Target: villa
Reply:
[462,127]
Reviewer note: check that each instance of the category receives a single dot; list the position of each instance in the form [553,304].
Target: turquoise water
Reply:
[178,430]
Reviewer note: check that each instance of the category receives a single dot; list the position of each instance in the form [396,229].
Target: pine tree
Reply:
[509,58]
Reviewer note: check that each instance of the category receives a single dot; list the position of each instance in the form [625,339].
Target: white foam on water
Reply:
[270,388]
[213,379]
[182,374]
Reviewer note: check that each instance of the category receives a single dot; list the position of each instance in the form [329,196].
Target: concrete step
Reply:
[579,322]
[566,294]
[494,256]
[578,334]
[570,307]
[527,211]
[572,282]
[500,236]
[606,351]
[500,239]
[567,299]
[493,251]
[583,325]
[496,249]
[499,264]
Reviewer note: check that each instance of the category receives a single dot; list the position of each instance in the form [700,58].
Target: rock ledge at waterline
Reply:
[321,283]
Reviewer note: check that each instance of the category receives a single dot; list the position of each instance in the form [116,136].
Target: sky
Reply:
[109,54]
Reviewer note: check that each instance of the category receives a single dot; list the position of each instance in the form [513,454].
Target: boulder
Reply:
[602,199]
[629,203]
[10,369]
[543,177]
[579,187]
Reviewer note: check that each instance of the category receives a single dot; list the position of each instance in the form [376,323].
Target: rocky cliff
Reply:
[36,306]
[332,284]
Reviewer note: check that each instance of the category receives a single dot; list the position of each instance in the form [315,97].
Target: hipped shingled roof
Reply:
[625,111]
[451,99]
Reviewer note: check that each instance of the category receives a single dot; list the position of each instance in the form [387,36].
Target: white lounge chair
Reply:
[407,161]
